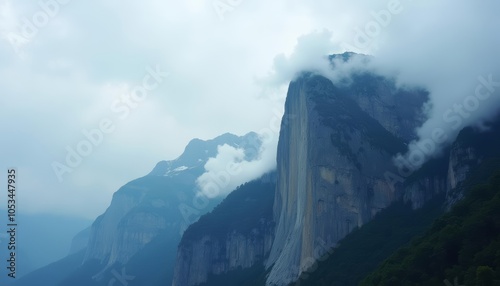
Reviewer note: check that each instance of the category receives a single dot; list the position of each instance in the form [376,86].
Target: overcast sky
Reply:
[207,66]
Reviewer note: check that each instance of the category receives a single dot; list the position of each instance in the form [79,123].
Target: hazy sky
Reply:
[197,69]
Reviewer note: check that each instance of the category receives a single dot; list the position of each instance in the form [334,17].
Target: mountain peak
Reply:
[198,152]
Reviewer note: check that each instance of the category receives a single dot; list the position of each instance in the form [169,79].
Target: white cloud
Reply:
[446,47]
[229,169]
[75,65]
[309,55]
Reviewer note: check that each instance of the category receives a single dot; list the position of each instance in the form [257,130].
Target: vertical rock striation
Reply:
[336,145]
[237,235]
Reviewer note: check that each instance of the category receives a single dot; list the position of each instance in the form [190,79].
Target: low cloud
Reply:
[454,55]
[81,57]
[310,54]
[229,169]
[449,48]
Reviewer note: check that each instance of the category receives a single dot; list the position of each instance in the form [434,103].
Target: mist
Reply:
[446,48]
[230,169]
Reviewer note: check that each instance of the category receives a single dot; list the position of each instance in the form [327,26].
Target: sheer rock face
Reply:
[134,232]
[212,255]
[446,176]
[462,160]
[236,236]
[336,147]
[103,234]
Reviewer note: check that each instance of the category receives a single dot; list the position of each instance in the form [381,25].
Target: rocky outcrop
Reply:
[442,175]
[134,232]
[462,160]
[208,249]
[332,161]
[420,192]
[103,232]
[450,172]
[210,255]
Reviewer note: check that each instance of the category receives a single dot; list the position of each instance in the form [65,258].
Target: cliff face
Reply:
[471,150]
[332,160]
[448,173]
[134,232]
[237,235]
[462,160]
[442,175]
[103,235]
[210,255]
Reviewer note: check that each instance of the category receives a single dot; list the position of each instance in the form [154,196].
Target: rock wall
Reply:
[211,255]
[332,160]
[103,233]
[237,235]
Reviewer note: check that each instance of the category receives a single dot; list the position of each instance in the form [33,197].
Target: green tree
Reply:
[484,276]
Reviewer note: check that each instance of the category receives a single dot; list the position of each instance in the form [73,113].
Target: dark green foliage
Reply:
[464,243]
[485,276]
[242,210]
[365,248]
[253,276]
[249,207]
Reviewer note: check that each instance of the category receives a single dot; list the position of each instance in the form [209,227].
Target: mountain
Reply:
[39,252]
[336,185]
[462,244]
[138,234]
[337,208]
